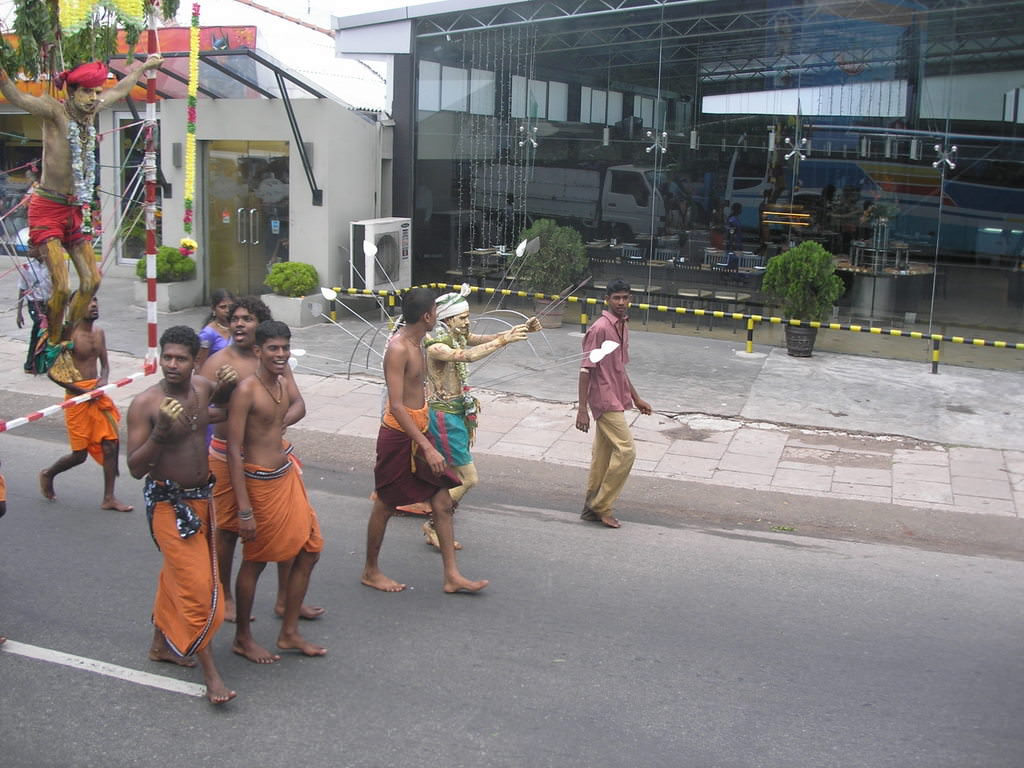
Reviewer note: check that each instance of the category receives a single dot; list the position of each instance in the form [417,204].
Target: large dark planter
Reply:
[800,340]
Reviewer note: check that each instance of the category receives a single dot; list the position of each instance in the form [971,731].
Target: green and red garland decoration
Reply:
[189,245]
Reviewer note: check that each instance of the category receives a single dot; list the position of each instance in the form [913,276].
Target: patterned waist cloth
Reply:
[187,521]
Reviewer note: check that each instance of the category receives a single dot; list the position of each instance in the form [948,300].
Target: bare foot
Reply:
[2,639]
[219,694]
[611,522]
[462,584]
[46,486]
[431,537]
[296,642]
[254,652]
[165,654]
[114,504]
[378,580]
[307,612]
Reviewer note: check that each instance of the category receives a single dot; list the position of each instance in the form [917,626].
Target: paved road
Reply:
[666,643]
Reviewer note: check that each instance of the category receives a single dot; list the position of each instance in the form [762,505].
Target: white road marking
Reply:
[103,668]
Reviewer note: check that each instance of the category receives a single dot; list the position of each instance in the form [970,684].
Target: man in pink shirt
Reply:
[605,387]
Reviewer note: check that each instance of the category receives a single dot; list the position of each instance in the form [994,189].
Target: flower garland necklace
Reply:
[83,164]
[453,340]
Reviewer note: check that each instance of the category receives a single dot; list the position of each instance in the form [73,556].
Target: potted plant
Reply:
[296,298]
[803,283]
[558,264]
[177,287]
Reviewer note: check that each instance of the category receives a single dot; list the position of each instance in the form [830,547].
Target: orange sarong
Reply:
[91,422]
[224,500]
[286,522]
[187,609]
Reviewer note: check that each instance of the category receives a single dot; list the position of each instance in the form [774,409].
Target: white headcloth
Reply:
[450,305]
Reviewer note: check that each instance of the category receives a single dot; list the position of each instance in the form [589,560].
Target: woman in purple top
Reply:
[216,334]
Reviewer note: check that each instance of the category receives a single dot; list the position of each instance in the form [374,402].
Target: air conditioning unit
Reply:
[387,266]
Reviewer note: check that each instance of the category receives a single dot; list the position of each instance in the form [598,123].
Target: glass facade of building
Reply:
[891,132]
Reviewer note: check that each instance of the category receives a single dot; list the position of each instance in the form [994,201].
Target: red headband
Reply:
[90,75]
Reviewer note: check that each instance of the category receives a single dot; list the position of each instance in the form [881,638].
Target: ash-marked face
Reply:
[459,324]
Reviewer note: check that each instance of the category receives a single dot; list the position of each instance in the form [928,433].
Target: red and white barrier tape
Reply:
[7,426]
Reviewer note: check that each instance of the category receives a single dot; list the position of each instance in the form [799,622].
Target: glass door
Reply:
[246,212]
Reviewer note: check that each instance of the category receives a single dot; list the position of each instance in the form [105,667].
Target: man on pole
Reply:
[59,213]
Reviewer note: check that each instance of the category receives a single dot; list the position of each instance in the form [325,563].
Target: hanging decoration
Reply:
[75,15]
[190,133]
[53,36]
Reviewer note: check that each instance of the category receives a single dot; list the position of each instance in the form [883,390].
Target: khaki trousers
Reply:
[611,459]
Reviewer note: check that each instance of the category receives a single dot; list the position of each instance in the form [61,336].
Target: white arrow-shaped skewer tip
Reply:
[328,293]
[606,348]
[521,249]
[465,289]
[369,248]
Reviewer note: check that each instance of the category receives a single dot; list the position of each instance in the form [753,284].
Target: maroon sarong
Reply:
[401,476]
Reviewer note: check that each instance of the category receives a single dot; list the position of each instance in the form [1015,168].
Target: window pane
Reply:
[430,86]
[454,87]
[481,94]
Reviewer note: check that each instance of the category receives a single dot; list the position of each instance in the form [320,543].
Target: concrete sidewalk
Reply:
[832,426]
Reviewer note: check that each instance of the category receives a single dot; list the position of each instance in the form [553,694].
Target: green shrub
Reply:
[293,278]
[559,264]
[803,282]
[172,266]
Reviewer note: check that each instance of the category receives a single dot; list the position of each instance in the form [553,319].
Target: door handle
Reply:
[254,226]
[238,226]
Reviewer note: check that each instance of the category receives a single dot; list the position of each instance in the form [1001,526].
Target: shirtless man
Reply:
[402,442]
[92,425]
[55,211]
[275,519]
[167,445]
[247,313]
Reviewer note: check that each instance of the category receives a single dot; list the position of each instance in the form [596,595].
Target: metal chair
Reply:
[729,269]
[632,254]
[690,298]
[669,255]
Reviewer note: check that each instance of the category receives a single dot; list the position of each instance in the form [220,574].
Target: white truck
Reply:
[620,201]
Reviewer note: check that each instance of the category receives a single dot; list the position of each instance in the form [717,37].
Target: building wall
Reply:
[346,165]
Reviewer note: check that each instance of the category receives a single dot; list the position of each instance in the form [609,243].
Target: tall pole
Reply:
[149,167]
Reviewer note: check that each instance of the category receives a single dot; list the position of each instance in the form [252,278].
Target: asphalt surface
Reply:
[748,614]
[665,643]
